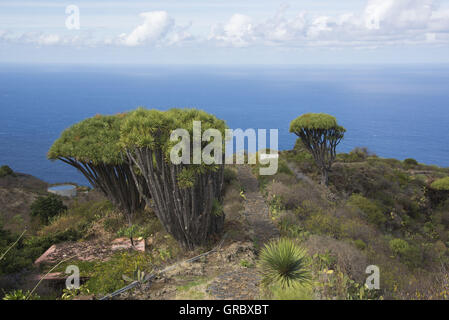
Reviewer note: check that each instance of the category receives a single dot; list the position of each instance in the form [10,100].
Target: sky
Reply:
[225,32]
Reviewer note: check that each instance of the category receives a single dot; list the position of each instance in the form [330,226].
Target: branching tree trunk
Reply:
[186,213]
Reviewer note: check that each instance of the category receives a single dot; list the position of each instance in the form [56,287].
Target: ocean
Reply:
[395,111]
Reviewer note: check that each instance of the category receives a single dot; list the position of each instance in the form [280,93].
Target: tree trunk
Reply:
[185,213]
[324,176]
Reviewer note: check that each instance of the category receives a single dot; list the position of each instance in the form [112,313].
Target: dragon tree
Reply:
[320,134]
[187,195]
[92,147]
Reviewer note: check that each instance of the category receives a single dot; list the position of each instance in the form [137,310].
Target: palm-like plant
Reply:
[283,262]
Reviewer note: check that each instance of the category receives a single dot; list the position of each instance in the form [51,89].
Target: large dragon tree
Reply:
[186,196]
[320,134]
[91,146]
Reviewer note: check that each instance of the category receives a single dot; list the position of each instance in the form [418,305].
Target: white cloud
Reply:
[238,31]
[49,39]
[155,27]
[381,23]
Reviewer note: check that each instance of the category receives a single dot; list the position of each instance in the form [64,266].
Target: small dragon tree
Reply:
[320,134]
[186,197]
[91,146]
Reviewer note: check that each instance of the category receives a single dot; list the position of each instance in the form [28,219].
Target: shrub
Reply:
[338,254]
[47,207]
[360,244]
[229,175]
[441,184]
[357,155]
[284,263]
[107,277]
[438,191]
[373,212]
[5,171]
[283,167]
[399,246]
[411,162]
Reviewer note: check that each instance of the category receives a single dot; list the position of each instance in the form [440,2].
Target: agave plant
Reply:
[138,276]
[285,263]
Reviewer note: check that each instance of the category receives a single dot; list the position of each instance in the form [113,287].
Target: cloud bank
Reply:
[381,23]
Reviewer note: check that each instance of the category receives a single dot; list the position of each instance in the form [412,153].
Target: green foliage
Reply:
[71,226]
[128,231]
[77,219]
[27,250]
[107,277]
[186,178]
[217,207]
[312,121]
[283,167]
[360,244]
[410,162]
[47,207]
[229,175]
[284,263]
[441,184]
[138,275]
[152,128]
[409,254]
[246,264]
[356,155]
[6,171]
[399,246]
[20,295]
[373,212]
[92,140]
[69,294]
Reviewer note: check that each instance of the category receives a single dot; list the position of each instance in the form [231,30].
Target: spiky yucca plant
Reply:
[284,262]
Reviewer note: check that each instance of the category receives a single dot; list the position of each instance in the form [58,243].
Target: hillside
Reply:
[374,212]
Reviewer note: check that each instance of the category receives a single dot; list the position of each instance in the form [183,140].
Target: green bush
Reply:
[357,155]
[441,184]
[47,207]
[411,162]
[411,255]
[373,212]
[284,263]
[360,244]
[107,277]
[399,246]
[5,171]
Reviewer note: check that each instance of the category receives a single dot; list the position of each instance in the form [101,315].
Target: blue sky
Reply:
[227,32]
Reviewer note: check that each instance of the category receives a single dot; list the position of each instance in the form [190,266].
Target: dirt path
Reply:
[244,284]
[257,213]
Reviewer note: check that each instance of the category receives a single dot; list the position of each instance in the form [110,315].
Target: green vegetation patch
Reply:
[441,184]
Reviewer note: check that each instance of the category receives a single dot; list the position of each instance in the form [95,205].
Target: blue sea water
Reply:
[395,111]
